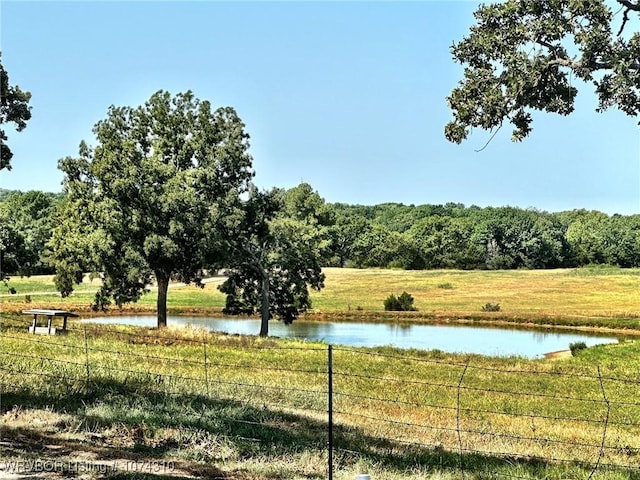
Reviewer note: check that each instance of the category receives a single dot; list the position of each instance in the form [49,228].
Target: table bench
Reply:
[50,314]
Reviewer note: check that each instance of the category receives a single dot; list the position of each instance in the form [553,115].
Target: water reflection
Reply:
[448,338]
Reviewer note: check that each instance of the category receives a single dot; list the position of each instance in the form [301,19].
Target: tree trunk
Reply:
[264,324]
[163,286]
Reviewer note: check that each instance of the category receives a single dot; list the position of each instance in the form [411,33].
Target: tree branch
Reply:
[594,65]
[625,19]
[629,5]
[490,138]
[550,46]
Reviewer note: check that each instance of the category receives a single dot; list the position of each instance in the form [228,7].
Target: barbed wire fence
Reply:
[407,413]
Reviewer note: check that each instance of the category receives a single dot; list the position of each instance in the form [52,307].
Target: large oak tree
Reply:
[522,56]
[144,205]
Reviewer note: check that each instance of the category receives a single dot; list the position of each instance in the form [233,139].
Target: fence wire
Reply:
[464,416]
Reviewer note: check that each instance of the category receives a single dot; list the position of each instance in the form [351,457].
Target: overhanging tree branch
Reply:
[502,81]
[629,5]
[490,139]
[625,19]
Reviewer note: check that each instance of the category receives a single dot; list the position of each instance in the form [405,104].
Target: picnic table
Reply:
[50,314]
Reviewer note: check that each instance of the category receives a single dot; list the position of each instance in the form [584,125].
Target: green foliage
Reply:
[26,221]
[491,307]
[303,203]
[449,236]
[380,247]
[452,236]
[446,286]
[14,108]
[596,238]
[146,203]
[521,56]
[273,259]
[4,193]
[576,347]
[447,242]
[604,271]
[12,249]
[516,238]
[343,235]
[401,303]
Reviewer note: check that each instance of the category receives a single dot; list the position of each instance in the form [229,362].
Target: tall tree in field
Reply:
[521,56]
[273,258]
[14,108]
[145,204]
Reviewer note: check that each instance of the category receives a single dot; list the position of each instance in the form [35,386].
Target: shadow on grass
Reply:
[123,422]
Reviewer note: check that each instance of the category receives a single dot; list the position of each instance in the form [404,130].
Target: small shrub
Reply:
[446,286]
[576,347]
[392,304]
[438,354]
[27,299]
[401,303]
[491,307]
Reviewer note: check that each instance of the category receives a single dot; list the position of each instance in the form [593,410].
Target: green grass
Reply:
[595,297]
[43,283]
[585,295]
[257,411]
[189,297]
[257,407]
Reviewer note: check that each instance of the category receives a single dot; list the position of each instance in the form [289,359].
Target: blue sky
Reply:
[347,96]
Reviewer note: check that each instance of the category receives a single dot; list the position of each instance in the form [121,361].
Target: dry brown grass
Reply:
[520,293]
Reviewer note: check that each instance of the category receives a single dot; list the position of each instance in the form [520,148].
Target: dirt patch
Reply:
[558,354]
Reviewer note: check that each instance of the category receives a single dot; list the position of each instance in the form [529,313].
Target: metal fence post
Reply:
[330,408]
[86,355]
[206,363]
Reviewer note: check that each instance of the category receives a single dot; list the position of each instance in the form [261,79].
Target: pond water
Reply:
[449,338]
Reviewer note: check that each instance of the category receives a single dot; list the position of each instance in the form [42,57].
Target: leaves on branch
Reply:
[146,203]
[521,57]
[274,251]
[15,109]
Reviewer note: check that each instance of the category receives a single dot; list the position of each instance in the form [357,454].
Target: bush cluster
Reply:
[401,303]
[491,307]
[576,347]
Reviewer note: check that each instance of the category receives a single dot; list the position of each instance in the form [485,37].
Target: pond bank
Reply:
[452,337]
[629,326]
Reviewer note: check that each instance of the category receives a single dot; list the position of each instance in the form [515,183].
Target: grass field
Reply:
[212,406]
[246,408]
[595,292]
[596,296]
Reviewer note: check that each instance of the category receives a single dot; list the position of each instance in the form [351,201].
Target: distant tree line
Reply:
[389,235]
[455,236]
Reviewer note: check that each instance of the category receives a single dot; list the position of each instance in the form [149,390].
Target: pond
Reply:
[449,338]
